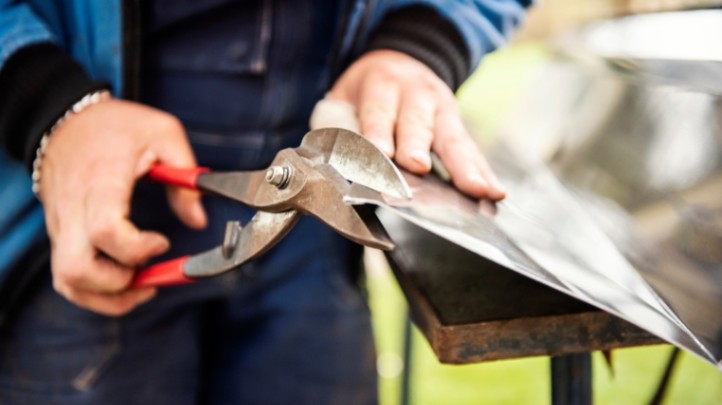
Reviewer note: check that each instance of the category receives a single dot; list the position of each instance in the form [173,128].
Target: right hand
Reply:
[88,173]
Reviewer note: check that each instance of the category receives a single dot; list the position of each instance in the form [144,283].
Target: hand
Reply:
[90,167]
[407,111]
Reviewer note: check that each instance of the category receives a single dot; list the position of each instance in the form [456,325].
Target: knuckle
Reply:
[170,125]
[376,129]
[430,84]
[117,284]
[390,71]
[101,230]
[68,272]
[135,257]
[72,275]
[417,117]
[378,111]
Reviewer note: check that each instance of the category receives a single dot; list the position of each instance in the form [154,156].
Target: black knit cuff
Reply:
[39,83]
[422,33]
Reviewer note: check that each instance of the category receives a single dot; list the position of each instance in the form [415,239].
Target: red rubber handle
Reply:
[174,176]
[162,274]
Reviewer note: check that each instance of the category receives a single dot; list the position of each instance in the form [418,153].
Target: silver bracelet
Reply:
[85,102]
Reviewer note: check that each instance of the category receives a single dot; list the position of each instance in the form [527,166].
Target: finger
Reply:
[468,169]
[109,229]
[170,143]
[109,304]
[496,189]
[172,148]
[76,264]
[332,113]
[98,275]
[415,131]
[378,109]
[186,204]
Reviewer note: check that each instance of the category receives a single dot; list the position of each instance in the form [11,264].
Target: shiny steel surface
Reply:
[614,172]
[356,159]
[677,35]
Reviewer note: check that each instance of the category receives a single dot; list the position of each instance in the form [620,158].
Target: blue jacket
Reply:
[98,34]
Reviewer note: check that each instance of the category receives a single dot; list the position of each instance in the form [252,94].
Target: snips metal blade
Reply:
[356,159]
[314,179]
[342,156]
[311,179]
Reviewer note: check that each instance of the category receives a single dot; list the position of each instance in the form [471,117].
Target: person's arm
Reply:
[402,86]
[90,166]
[38,83]
[31,67]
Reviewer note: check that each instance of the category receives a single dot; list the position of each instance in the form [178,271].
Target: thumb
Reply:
[172,148]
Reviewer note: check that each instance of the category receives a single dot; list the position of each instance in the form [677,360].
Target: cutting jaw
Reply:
[315,179]
[312,179]
[356,159]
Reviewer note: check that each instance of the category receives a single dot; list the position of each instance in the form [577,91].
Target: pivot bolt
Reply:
[279,176]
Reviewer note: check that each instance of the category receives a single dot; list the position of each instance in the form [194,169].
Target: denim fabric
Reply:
[22,223]
[91,31]
[294,331]
[245,84]
[290,327]
[88,30]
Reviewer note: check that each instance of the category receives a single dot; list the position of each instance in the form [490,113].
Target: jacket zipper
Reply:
[131,27]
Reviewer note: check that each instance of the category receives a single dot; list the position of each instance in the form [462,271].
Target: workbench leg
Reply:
[406,371]
[572,379]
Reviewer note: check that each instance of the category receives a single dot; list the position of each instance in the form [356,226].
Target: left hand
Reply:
[408,111]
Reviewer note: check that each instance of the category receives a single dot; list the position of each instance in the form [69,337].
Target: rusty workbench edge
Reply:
[552,335]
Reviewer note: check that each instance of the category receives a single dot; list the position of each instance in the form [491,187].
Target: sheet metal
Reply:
[615,194]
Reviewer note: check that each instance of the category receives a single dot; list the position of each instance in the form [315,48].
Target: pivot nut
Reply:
[279,176]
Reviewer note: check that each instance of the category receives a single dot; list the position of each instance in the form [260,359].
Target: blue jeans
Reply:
[289,328]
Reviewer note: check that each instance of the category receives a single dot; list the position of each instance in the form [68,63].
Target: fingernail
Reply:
[423,159]
[498,187]
[478,181]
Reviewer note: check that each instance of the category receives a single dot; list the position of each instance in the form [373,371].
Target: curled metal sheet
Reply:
[614,172]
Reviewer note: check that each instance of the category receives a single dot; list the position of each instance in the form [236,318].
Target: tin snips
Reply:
[312,179]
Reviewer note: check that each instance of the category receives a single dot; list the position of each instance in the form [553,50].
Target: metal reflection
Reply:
[615,193]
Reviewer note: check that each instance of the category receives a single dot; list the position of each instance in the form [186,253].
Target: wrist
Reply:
[423,34]
[79,106]
[38,84]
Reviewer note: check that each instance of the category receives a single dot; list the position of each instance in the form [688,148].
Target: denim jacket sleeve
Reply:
[39,78]
[21,222]
[483,24]
[19,27]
